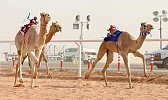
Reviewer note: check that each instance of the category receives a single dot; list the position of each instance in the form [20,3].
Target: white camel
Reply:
[32,44]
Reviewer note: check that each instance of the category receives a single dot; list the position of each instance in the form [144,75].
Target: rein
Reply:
[144,34]
[141,33]
[45,24]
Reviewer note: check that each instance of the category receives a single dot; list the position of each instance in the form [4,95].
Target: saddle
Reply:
[24,29]
[114,38]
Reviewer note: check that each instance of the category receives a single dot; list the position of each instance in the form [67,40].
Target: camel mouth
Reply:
[152,27]
[47,19]
[60,29]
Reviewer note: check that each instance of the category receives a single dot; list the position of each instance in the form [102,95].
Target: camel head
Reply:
[55,27]
[45,18]
[146,28]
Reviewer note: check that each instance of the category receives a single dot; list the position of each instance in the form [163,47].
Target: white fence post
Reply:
[80,63]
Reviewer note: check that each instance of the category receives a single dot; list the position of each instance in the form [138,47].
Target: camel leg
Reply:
[32,55]
[19,67]
[46,62]
[125,58]
[29,62]
[37,54]
[99,57]
[24,59]
[40,58]
[110,56]
[35,63]
[138,54]
[16,74]
[32,72]
[19,47]
[30,65]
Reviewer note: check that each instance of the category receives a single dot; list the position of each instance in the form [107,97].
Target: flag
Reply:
[27,17]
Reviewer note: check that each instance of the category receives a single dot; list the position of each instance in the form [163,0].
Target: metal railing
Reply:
[79,46]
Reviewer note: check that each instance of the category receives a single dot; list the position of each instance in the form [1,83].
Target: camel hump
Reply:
[34,26]
[125,36]
[28,27]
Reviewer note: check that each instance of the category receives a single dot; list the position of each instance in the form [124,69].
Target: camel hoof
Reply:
[33,86]
[130,87]
[146,75]
[21,81]
[86,76]
[49,75]
[15,83]
[19,85]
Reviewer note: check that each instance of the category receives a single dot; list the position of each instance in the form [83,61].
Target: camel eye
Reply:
[144,27]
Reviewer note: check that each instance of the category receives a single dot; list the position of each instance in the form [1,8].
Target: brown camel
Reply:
[32,44]
[55,27]
[126,44]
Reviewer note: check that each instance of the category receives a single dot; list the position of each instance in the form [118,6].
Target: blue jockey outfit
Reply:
[113,37]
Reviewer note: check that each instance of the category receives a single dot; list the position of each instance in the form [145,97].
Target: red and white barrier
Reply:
[119,67]
[13,59]
[61,64]
[152,62]
[88,62]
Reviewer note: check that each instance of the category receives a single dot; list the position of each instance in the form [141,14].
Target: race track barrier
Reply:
[13,59]
[119,67]
[88,62]
[79,46]
[152,62]
[61,64]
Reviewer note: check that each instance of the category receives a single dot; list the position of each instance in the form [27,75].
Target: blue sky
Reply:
[125,14]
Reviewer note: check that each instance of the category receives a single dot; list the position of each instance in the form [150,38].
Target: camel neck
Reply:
[43,26]
[140,40]
[42,35]
[49,37]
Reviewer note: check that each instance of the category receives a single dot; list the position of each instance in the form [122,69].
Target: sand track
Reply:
[66,85]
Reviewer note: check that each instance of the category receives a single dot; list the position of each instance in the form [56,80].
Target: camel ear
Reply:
[143,23]
[41,14]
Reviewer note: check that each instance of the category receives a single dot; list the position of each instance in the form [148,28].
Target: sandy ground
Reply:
[65,85]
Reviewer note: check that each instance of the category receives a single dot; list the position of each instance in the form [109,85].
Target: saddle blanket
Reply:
[113,37]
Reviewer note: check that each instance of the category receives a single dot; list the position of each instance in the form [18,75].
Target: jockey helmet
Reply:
[112,28]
